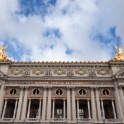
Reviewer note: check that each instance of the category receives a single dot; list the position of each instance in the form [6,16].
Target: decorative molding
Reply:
[37,71]
[81,71]
[16,71]
[104,71]
[59,72]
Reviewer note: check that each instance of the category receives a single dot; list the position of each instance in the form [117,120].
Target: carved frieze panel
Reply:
[106,92]
[59,71]
[81,71]
[70,73]
[12,92]
[37,71]
[104,71]
[16,71]
[35,92]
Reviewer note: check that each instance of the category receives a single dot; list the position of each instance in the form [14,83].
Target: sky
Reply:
[61,30]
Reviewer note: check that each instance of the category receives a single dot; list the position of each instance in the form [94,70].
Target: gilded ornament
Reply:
[3,56]
[119,55]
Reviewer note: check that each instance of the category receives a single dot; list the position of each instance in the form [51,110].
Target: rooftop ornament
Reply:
[3,55]
[119,55]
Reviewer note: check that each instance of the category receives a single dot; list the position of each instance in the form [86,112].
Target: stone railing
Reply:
[84,120]
[58,119]
[111,120]
[7,119]
[32,119]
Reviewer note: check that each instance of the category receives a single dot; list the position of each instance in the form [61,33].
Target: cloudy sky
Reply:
[61,30]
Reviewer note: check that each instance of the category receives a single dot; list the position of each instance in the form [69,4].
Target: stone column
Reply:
[4,109]
[24,107]
[113,107]
[29,106]
[98,105]
[68,105]
[122,97]
[20,103]
[63,108]
[49,104]
[118,103]
[89,113]
[103,113]
[77,109]
[93,105]
[73,105]
[53,109]
[44,105]
[2,91]
[39,112]
[15,109]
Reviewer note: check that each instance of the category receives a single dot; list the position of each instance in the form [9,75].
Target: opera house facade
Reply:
[62,92]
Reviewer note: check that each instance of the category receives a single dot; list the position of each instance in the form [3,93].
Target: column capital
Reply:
[45,87]
[101,99]
[21,87]
[64,99]
[29,99]
[77,99]
[88,99]
[49,87]
[92,88]
[16,99]
[26,87]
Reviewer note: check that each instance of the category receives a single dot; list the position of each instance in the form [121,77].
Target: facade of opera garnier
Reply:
[62,92]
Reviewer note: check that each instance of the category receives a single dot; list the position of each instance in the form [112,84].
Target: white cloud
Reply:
[76,20]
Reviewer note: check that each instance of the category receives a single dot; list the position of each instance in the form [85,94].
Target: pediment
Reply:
[120,74]
[2,75]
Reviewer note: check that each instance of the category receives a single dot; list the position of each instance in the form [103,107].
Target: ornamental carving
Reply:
[37,71]
[70,72]
[16,71]
[104,71]
[59,71]
[26,72]
[81,72]
[92,73]
[12,92]
[48,72]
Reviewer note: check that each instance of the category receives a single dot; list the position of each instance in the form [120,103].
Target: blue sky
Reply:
[61,30]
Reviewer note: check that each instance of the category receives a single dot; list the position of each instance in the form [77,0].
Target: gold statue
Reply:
[3,56]
[119,55]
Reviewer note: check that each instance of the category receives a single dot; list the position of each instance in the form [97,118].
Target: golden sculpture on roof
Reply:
[119,55]
[3,55]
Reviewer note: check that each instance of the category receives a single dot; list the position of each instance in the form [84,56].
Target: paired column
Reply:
[24,104]
[15,109]
[63,108]
[93,104]
[88,103]
[68,105]
[44,104]
[20,103]
[49,104]
[113,107]
[73,105]
[118,104]
[103,113]
[29,105]
[2,91]
[122,97]
[98,105]
[77,108]
[53,110]
[39,112]
[4,109]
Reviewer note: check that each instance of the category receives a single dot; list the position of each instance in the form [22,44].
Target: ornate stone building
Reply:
[62,92]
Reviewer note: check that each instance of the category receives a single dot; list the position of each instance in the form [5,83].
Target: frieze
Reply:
[104,72]
[37,71]
[81,72]
[92,73]
[59,71]
[16,71]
